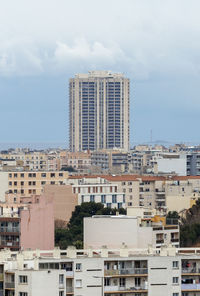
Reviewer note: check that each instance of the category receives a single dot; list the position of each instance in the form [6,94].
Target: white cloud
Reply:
[138,37]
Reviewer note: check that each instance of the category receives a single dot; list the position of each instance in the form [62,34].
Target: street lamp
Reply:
[102,282]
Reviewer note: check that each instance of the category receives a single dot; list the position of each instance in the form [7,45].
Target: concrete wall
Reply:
[3,185]
[64,201]
[113,232]
[168,165]
[37,226]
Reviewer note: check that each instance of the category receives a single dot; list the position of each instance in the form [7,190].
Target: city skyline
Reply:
[156,45]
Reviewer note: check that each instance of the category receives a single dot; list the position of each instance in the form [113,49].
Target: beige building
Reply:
[99,111]
[32,183]
[64,200]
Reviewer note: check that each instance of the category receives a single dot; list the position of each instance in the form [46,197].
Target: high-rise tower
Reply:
[99,111]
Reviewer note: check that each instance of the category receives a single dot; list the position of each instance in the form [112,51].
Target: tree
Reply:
[73,233]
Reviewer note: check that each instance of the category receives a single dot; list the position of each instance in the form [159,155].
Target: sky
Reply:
[155,43]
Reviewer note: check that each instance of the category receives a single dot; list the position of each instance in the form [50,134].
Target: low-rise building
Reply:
[133,232]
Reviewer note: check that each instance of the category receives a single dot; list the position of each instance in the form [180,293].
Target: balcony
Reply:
[186,270]
[10,285]
[175,240]
[118,289]
[190,287]
[69,273]
[130,271]
[160,241]
[69,290]
[7,229]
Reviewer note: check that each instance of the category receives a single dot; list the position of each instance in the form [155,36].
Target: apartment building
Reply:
[97,189]
[27,224]
[80,161]
[131,231]
[120,272]
[99,111]
[111,161]
[32,183]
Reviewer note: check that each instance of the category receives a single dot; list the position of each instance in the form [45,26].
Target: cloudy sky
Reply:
[156,43]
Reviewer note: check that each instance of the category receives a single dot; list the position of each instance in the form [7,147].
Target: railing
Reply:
[122,288]
[190,270]
[160,241]
[7,229]
[69,273]
[69,289]
[174,240]
[10,285]
[190,286]
[126,271]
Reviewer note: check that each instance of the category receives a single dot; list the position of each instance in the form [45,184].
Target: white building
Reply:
[120,272]
[133,232]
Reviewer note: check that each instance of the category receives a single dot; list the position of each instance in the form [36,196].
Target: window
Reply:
[175,280]
[114,198]
[52,175]
[130,189]
[78,283]
[22,183]
[61,293]
[91,198]
[22,175]
[23,279]
[78,266]
[43,175]
[175,264]
[23,294]
[175,294]
[15,175]
[60,174]
[61,279]
[122,282]
[10,183]
[103,199]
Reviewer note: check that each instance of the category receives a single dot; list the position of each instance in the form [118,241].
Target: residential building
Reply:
[99,111]
[32,183]
[120,272]
[111,161]
[97,189]
[27,224]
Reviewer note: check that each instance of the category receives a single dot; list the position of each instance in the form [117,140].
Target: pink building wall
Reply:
[37,226]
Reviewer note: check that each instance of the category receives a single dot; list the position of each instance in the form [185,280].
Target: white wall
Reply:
[3,185]
[115,231]
[168,165]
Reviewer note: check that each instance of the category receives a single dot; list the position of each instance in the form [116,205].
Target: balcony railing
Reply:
[190,286]
[126,271]
[69,289]
[118,288]
[190,270]
[7,229]
[160,241]
[10,285]
[174,240]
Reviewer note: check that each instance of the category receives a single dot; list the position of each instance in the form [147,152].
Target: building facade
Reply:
[153,272]
[99,111]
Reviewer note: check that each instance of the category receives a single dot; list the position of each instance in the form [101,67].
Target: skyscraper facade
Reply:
[99,111]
